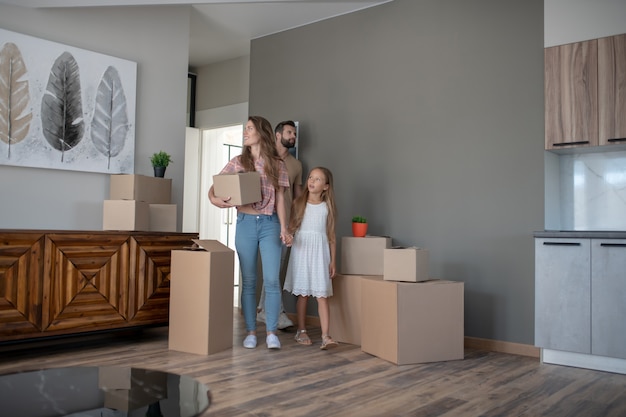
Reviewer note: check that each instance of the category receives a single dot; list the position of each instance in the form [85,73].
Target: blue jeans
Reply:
[259,233]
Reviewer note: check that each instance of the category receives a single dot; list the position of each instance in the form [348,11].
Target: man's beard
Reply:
[287,144]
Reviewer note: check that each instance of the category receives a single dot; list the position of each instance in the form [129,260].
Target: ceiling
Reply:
[222,30]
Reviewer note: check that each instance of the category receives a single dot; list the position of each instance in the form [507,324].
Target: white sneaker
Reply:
[283,321]
[249,342]
[272,341]
[260,316]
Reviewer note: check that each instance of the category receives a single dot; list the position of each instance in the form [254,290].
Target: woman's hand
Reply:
[219,201]
[286,238]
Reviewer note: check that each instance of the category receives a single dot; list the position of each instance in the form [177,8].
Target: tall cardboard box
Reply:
[406,264]
[152,190]
[163,217]
[201,299]
[242,188]
[345,309]
[363,255]
[125,215]
[412,322]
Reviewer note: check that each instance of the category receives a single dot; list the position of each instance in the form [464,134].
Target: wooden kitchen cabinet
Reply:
[571,99]
[612,90]
[585,93]
[562,294]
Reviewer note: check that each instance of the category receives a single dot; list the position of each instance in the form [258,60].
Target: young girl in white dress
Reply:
[312,262]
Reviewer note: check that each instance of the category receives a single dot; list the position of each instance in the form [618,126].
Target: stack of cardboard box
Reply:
[139,203]
[385,301]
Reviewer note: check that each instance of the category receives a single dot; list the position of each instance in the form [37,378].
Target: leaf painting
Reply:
[15,116]
[109,126]
[61,107]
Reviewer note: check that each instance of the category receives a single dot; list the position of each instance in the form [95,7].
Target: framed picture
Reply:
[65,108]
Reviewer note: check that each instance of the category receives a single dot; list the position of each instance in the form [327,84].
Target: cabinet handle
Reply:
[614,245]
[617,140]
[581,142]
[562,243]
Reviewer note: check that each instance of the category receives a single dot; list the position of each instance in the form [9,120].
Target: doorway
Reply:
[217,147]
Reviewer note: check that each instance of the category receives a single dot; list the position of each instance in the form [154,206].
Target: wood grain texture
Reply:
[305,381]
[612,89]
[571,98]
[58,282]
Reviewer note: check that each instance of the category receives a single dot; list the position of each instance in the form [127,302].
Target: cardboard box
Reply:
[141,188]
[126,215]
[412,322]
[405,264]
[363,255]
[201,298]
[163,217]
[128,388]
[345,309]
[242,188]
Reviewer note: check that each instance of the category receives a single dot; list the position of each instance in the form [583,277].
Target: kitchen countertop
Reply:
[581,234]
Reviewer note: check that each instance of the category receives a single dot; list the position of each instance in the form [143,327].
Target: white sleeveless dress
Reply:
[308,270]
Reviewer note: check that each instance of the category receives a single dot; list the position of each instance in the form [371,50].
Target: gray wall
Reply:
[157,38]
[430,115]
[223,84]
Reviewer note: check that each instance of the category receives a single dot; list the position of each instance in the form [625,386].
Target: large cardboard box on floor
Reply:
[363,255]
[405,264]
[201,298]
[163,217]
[412,322]
[130,215]
[152,190]
[242,188]
[345,309]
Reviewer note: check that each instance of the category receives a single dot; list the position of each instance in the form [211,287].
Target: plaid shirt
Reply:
[267,205]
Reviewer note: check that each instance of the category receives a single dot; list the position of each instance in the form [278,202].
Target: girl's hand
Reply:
[332,271]
[286,238]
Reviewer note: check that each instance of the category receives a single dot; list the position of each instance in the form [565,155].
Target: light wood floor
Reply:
[304,381]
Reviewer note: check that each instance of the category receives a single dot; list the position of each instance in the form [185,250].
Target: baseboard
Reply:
[503,347]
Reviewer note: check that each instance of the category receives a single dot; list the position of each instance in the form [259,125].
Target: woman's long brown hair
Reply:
[268,150]
[299,206]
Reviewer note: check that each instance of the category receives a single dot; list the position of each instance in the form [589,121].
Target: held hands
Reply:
[286,238]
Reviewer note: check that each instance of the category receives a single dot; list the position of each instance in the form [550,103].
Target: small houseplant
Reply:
[160,160]
[359,226]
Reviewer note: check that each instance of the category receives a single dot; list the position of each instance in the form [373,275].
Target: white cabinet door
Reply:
[562,294]
[608,305]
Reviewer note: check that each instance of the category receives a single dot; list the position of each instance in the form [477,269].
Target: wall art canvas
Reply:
[65,108]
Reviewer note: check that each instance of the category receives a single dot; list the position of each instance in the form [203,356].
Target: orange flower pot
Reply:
[359,229]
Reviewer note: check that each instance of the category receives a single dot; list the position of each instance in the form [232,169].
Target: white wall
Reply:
[157,38]
[567,21]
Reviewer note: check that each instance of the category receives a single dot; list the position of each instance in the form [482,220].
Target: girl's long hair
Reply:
[328,196]
[268,150]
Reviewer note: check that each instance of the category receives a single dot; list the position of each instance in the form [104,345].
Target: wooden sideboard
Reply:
[55,283]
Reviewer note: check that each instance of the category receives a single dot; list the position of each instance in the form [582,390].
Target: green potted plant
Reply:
[359,226]
[160,160]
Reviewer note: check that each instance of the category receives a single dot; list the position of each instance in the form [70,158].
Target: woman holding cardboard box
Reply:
[261,226]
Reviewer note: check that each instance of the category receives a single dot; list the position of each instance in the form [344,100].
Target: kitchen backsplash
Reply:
[593,191]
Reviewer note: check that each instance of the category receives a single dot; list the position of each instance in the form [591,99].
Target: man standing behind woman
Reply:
[261,226]
[312,261]
[286,135]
